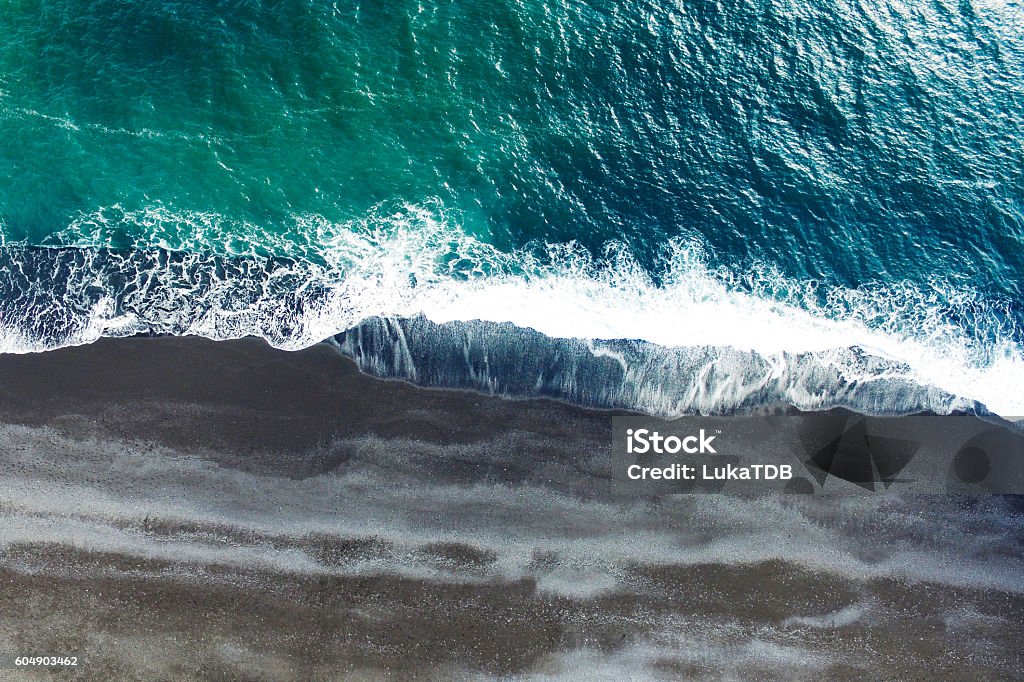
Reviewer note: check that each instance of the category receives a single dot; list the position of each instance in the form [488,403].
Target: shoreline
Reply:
[179,507]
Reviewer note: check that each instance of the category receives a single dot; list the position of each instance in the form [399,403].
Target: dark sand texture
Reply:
[175,509]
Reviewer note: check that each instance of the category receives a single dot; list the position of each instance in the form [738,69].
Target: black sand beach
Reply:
[175,508]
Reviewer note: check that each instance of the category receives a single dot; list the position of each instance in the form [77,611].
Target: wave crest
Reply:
[724,338]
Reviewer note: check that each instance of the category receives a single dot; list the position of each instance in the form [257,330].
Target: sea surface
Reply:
[667,206]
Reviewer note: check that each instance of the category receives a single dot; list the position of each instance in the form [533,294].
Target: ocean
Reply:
[674,207]
[614,213]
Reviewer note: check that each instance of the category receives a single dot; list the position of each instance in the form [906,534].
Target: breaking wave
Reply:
[410,294]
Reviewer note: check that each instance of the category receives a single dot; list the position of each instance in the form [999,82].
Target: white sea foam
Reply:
[404,261]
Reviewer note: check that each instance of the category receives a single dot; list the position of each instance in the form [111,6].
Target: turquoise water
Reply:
[840,181]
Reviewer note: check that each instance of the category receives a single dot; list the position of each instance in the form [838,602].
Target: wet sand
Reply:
[184,509]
